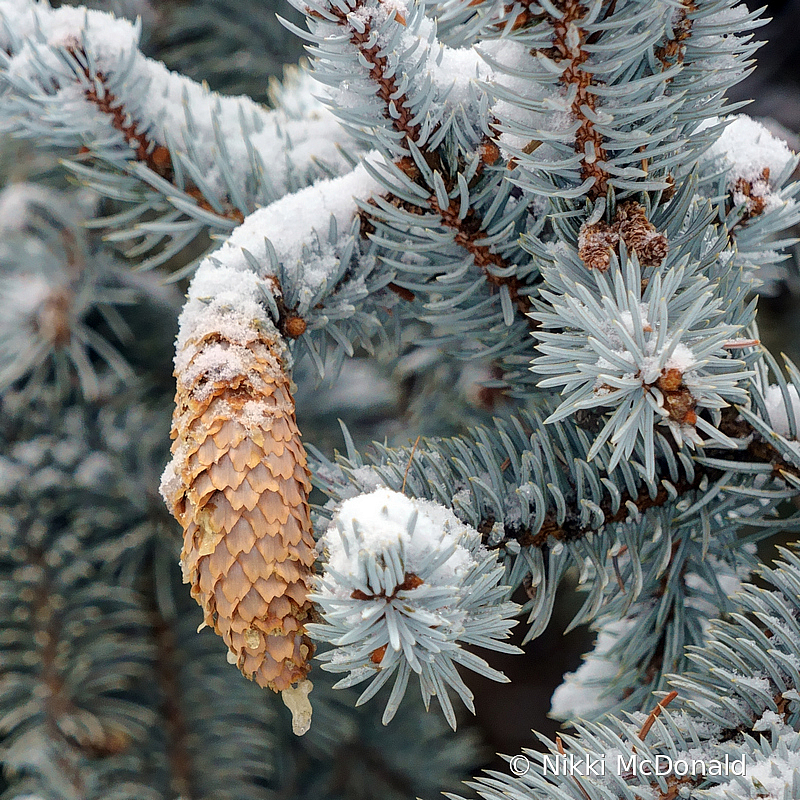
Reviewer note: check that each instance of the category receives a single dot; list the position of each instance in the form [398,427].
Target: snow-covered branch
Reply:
[739,702]
[404,586]
[76,79]
[320,279]
[391,81]
[53,280]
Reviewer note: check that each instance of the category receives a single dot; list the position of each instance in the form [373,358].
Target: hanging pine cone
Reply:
[238,481]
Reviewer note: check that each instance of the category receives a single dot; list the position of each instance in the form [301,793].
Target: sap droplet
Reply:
[209,537]
[252,638]
[295,698]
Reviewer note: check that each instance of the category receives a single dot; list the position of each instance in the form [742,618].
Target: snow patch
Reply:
[777,411]
[756,159]
[385,526]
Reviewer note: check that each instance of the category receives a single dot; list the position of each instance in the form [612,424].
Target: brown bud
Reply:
[670,380]
[294,326]
[490,152]
[160,159]
[377,655]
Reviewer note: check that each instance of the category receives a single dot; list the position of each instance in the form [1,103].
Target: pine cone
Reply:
[238,484]
[595,242]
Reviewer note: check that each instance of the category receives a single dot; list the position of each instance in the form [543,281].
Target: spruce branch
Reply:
[568,45]
[54,279]
[390,79]
[172,713]
[648,370]
[154,157]
[502,483]
[405,584]
[77,80]
[753,173]
[434,129]
[468,230]
[396,104]
[319,281]
[739,700]
[76,646]
[640,641]
[569,110]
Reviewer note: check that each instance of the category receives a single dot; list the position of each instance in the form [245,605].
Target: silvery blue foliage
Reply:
[640,637]
[739,699]
[611,345]
[404,586]
[185,161]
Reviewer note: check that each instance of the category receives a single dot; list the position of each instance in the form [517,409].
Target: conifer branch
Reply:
[639,641]
[569,40]
[565,185]
[154,156]
[469,234]
[365,38]
[723,707]
[757,451]
[642,502]
[205,168]
[673,50]
[467,226]
[57,708]
[204,706]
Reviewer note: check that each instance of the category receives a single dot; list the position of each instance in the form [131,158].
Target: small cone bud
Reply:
[238,484]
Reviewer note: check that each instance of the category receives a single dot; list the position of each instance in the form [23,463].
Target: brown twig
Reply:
[174,718]
[71,743]
[757,451]
[656,713]
[468,233]
[617,573]
[388,86]
[155,156]
[576,780]
[575,75]
[469,229]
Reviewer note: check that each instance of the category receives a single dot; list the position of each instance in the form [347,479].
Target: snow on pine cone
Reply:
[238,481]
